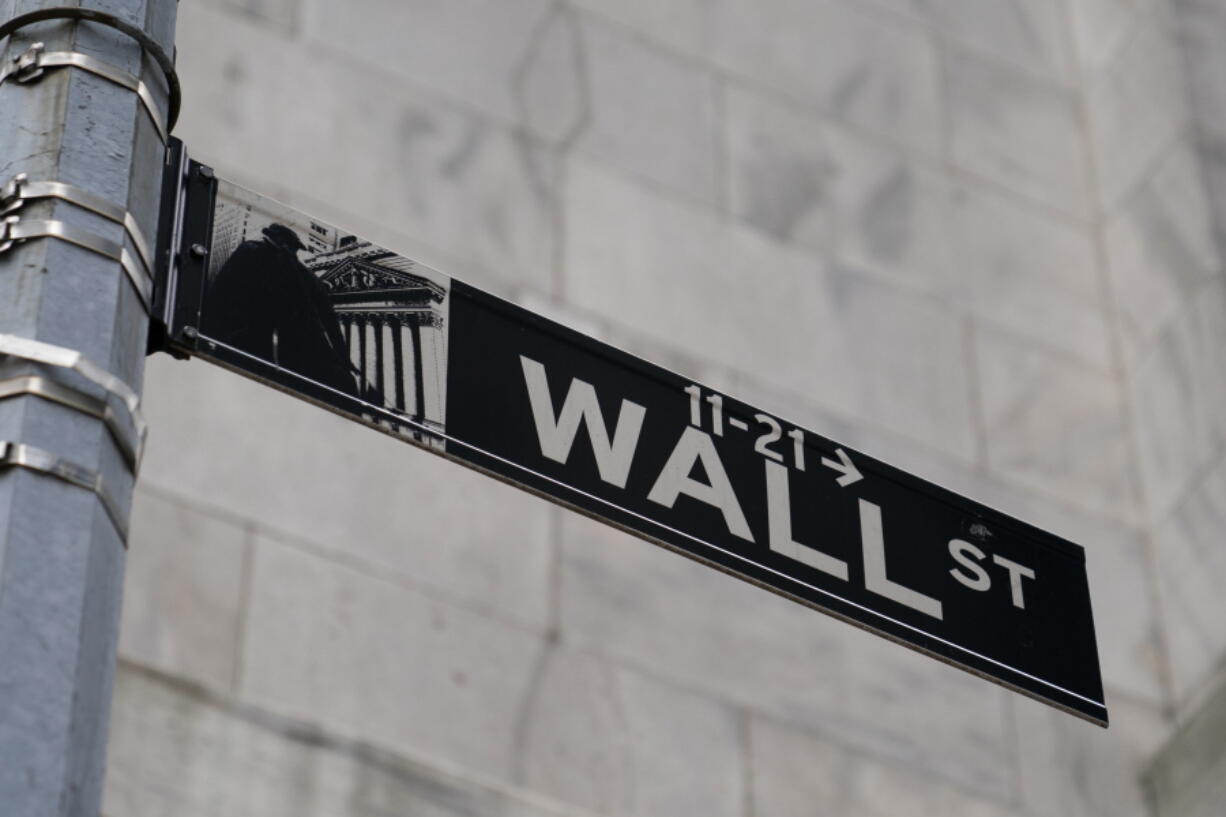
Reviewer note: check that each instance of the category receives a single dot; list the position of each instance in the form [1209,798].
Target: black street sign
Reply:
[300,305]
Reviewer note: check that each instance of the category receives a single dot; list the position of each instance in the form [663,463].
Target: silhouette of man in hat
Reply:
[265,302]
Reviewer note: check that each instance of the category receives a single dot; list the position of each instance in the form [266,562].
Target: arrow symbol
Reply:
[845,467]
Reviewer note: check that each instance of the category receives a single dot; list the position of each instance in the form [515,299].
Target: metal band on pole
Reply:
[20,189]
[14,230]
[146,42]
[127,439]
[34,62]
[20,455]
[47,354]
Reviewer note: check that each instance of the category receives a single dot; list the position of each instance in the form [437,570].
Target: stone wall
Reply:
[978,239]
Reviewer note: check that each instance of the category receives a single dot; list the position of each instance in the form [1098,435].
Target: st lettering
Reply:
[971,573]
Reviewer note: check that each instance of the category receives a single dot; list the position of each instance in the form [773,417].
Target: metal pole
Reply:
[91,149]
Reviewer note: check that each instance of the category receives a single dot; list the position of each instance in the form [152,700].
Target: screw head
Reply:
[190,332]
[199,251]
[205,172]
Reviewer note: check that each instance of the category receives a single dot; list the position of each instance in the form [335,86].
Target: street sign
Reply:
[311,309]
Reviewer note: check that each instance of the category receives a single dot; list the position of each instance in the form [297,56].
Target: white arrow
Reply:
[847,468]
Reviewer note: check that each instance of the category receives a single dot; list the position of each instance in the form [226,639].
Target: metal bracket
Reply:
[20,455]
[20,189]
[14,230]
[36,351]
[189,193]
[34,62]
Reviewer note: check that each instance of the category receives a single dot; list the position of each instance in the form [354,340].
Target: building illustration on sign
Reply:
[293,283]
[394,322]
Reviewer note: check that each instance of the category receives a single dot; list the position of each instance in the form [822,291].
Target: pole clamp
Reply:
[20,189]
[147,43]
[129,434]
[126,439]
[20,455]
[32,63]
[13,231]
[26,66]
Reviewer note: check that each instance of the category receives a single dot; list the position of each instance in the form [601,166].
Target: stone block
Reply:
[908,358]
[1211,150]
[1101,27]
[1160,250]
[728,294]
[798,774]
[810,181]
[1055,426]
[1186,777]
[677,274]
[1200,28]
[618,742]
[184,591]
[368,658]
[1177,394]
[1136,109]
[392,154]
[1030,34]
[1190,565]
[282,14]
[654,610]
[396,508]
[176,749]
[1076,769]
[831,56]
[1028,273]
[552,93]
[650,112]
[841,61]
[468,50]
[1132,647]
[1018,131]
[680,24]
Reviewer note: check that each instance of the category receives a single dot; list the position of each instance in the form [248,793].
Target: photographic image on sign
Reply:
[313,310]
[330,308]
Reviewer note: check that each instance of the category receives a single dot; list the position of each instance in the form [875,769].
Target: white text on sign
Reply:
[615,457]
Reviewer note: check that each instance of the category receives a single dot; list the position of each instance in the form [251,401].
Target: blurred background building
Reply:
[979,239]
